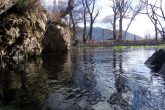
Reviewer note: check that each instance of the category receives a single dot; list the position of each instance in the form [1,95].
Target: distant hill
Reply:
[108,34]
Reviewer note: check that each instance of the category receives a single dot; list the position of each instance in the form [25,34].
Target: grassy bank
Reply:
[161,46]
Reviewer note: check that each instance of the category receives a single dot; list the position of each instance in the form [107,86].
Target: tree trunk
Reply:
[120,25]
[91,29]
[156,31]
[73,26]
[114,27]
[84,30]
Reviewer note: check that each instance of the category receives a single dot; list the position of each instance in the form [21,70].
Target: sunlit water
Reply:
[85,79]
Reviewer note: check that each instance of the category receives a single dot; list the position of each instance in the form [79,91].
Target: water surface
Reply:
[84,79]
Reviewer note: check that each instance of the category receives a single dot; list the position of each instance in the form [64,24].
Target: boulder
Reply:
[57,39]
[156,61]
[162,70]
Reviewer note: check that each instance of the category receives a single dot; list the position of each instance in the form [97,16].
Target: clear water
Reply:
[84,79]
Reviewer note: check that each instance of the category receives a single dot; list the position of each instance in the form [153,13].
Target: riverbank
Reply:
[123,43]
[158,46]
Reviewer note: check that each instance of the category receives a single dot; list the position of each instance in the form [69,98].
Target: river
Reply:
[84,79]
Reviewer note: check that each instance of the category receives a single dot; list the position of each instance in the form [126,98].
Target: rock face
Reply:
[162,70]
[6,4]
[26,34]
[21,35]
[56,39]
[156,61]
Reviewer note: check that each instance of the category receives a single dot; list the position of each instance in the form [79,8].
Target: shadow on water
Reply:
[84,79]
[23,86]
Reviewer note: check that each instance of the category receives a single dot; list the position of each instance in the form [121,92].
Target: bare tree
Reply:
[85,21]
[75,17]
[89,15]
[134,12]
[91,5]
[120,11]
[156,14]
[123,7]
[115,12]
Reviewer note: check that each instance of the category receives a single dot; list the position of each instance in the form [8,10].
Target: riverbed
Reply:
[84,79]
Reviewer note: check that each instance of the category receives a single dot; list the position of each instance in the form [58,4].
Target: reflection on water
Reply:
[85,79]
[23,86]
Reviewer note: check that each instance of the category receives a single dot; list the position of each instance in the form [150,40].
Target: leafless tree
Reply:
[74,17]
[89,15]
[135,10]
[91,8]
[112,21]
[120,11]
[84,22]
[156,14]
[115,9]
[123,7]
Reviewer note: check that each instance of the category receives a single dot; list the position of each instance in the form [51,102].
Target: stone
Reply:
[21,35]
[156,61]
[6,4]
[56,39]
[25,35]
[162,69]
[13,32]
[41,25]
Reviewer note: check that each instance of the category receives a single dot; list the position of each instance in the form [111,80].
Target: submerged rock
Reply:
[156,61]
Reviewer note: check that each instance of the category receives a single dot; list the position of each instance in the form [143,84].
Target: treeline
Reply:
[86,12]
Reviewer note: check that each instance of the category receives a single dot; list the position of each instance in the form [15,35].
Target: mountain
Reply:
[106,34]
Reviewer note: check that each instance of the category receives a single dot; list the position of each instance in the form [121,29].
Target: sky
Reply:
[140,26]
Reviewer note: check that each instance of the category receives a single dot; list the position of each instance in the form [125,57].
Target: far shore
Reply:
[112,43]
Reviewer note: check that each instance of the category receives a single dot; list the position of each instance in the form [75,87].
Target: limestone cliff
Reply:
[23,34]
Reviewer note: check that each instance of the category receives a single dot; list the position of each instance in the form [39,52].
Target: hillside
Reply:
[108,34]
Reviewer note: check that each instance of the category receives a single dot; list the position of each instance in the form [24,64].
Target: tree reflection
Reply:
[88,77]
[84,74]
[122,96]
[58,67]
